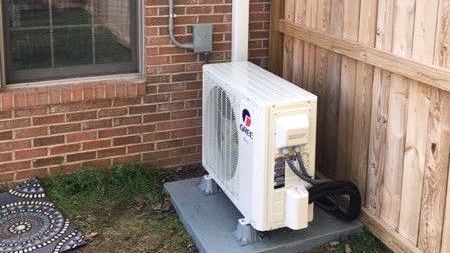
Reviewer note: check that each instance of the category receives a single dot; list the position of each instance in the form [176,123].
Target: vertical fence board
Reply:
[275,37]
[332,84]
[289,9]
[298,47]
[320,77]
[403,24]
[417,122]
[347,92]
[436,173]
[442,56]
[431,228]
[363,98]
[380,104]
[309,49]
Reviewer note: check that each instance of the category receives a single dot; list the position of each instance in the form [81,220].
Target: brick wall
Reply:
[153,119]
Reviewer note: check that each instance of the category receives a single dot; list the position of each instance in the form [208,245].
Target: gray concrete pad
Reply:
[210,221]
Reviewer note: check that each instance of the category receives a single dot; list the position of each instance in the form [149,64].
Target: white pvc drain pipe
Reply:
[240,30]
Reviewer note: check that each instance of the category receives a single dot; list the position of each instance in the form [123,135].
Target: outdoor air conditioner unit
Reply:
[251,120]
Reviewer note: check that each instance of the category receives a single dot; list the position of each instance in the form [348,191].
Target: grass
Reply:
[124,209]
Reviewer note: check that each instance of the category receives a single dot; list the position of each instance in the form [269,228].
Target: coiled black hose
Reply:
[327,194]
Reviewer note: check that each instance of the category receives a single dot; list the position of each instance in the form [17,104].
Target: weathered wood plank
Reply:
[332,90]
[289,9]
[442,56]
[432,75]
[363,98]
[389,236]
[417,122]
[297,64]
[432,220]
[320,77]
[436,173]
[391,189]
[309,49]
[380,104]
[275,63]
[347,93]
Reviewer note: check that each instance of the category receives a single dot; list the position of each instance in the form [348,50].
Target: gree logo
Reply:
[246,118]
[247,122]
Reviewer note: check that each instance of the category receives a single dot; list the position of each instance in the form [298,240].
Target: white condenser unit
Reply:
[251,119]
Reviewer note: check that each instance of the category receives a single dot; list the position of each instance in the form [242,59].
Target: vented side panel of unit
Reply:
[222,141]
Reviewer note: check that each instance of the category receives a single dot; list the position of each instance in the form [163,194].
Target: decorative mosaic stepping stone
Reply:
[29,223]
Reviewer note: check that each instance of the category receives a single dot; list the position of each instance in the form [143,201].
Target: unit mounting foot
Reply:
[208,186]
[245,233]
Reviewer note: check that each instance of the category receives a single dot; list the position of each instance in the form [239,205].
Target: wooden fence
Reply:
[381,69]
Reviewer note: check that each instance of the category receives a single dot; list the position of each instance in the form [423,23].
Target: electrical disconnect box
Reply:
[202,36]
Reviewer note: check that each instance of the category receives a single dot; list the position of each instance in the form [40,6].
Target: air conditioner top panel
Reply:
[258,84]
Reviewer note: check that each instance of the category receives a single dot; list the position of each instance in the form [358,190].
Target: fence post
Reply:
[275,63]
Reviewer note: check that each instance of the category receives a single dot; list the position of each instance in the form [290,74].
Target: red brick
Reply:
[47,141]
[46,120]
[81,157]
[14,166]
[26,174]
[111,152]
[5,157]
[127,120]
[89,125]
[119,141]
[154,156]
[6,178]
[14,123]
[142,109]
[81,116]
[156,117]
[65,128]
[92,145]
[14,145]
[45,162]
[112,132]
[141,129]
[98,163]
[31,132]
[64,149]
[7,135]
[26,112]
[30,153]
[111,112]
[82,136]
[169,144]
[127,159]
[140,148]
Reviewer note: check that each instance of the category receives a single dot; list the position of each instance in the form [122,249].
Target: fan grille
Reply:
[225,137]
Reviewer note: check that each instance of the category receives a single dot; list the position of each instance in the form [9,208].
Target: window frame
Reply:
[9,78]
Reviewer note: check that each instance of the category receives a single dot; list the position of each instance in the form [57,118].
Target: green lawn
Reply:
[124,208]
[72,46]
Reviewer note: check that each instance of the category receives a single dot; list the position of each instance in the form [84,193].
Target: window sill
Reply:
[72,90]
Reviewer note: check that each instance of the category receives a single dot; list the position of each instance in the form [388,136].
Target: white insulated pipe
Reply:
[240,30]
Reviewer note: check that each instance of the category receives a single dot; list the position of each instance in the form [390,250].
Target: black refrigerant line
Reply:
[326,193]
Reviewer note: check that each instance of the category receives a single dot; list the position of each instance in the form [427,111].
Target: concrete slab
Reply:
[210,221]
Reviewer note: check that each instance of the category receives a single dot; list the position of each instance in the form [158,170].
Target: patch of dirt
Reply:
[144,227]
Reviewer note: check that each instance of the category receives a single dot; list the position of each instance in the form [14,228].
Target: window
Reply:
[52,39]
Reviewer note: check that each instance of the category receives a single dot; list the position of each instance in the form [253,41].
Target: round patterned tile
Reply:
[29,225]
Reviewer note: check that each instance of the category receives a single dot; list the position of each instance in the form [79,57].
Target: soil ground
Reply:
[123,210]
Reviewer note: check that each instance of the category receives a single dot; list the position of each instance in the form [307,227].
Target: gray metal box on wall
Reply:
[202,34]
